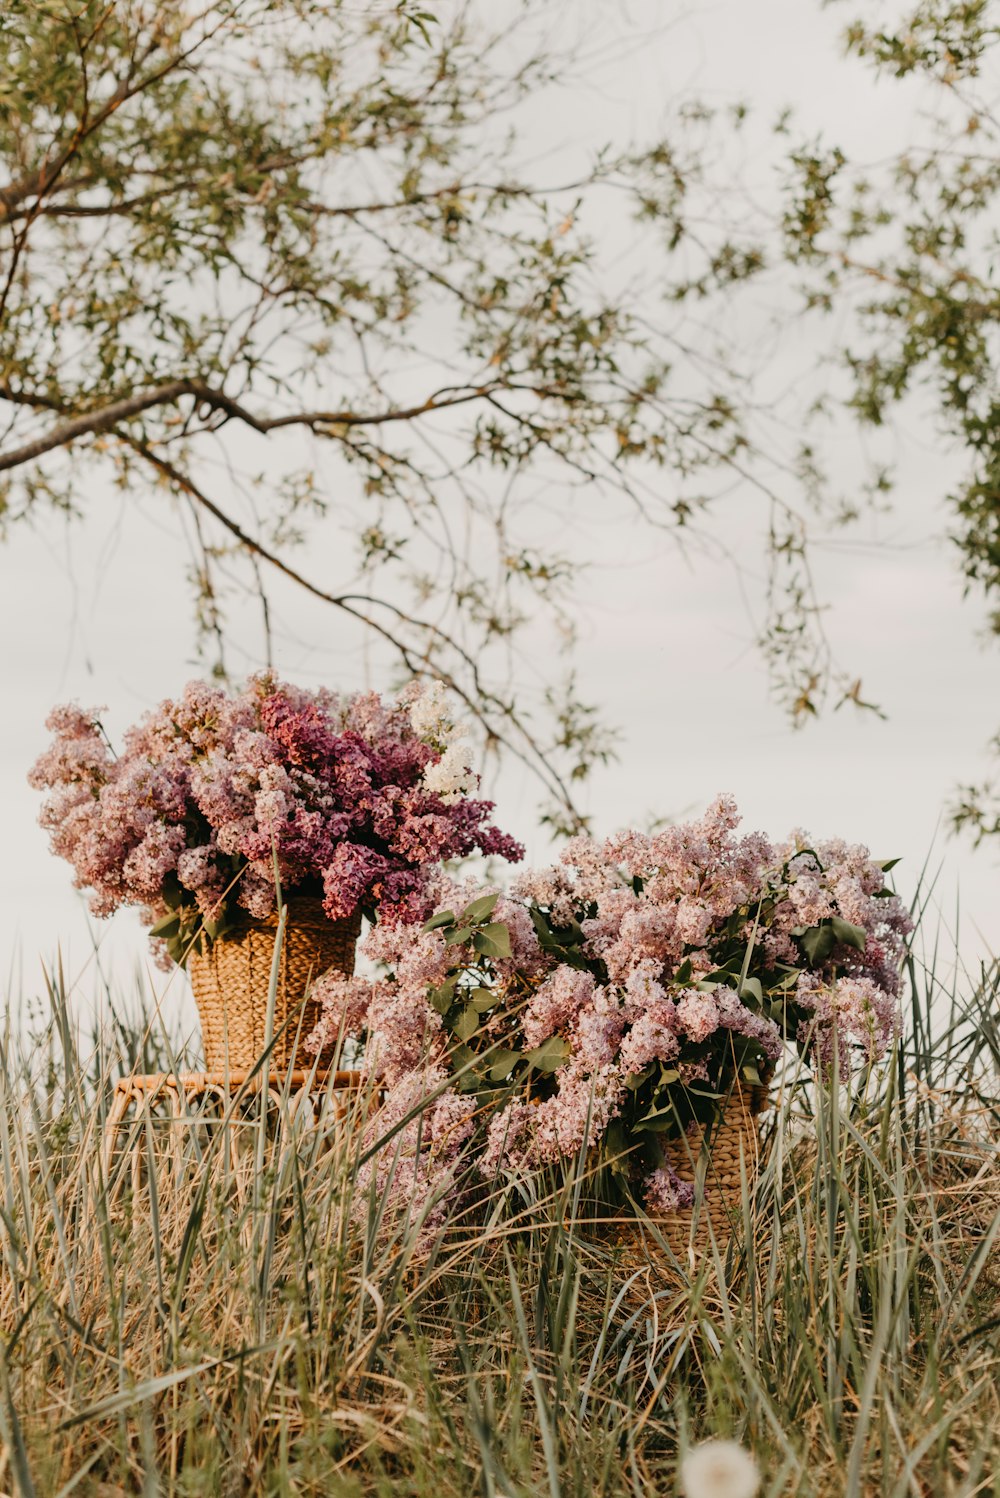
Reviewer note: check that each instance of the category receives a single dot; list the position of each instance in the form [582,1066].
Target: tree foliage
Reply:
[271,261]
[305,276]
[911,249]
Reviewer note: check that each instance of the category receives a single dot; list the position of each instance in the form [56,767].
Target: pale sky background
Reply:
[99,612]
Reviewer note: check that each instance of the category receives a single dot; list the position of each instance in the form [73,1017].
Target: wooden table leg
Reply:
[119,1107]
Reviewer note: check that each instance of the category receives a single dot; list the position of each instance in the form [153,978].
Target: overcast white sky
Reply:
[100,613]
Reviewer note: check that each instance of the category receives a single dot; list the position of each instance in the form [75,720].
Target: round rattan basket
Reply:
[715,1159]
[231,980]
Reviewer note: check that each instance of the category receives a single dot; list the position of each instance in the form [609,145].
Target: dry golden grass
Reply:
[192,1324]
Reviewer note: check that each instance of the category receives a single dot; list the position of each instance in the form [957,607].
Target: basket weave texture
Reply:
[231,979]
[710,1157]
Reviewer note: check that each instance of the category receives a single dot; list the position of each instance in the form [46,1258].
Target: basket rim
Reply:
[303,911]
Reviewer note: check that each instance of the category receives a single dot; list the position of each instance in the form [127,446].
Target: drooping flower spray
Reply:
[354,800]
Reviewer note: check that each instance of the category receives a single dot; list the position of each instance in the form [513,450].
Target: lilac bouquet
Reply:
[611,1001]
[350,800]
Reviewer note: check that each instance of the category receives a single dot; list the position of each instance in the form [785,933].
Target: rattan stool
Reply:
[177,1092]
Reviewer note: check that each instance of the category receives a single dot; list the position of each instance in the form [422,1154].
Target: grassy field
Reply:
[208,1316]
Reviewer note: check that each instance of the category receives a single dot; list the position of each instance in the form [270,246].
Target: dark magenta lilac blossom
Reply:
[356,799]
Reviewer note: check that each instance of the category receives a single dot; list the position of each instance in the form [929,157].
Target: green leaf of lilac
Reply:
[851,936]
[547,938]
[656,1120]
[721,976]
[440,918]
[467,1023]
[550,1054]
[466,1078]
[540,924]
[492,940]
[817,943]
[441,997]
[616,1146]
[455,937]
[173,892]
[478,910]
[502,1064]
[752,987]
[168,925]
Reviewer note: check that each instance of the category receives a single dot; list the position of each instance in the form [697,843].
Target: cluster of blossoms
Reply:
[352,799]
[409,1052]
[622,994]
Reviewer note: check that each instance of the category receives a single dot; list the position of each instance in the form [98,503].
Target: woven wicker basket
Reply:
[711,1158]
[231,980]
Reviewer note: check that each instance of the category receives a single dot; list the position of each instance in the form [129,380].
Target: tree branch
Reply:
[103,419]
[528,751]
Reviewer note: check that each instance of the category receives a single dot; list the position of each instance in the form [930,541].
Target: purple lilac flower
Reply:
[658,913]
[665,1191]
[848,1016]
[413,1173]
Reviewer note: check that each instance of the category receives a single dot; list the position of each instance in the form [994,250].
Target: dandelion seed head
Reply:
[719,1469]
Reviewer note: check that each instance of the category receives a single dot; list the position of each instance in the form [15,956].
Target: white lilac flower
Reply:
[430,712]
[451,776]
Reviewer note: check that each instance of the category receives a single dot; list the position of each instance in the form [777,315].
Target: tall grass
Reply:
[214,1315]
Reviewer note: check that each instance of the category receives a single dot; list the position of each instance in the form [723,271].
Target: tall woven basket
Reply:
[711,1158]
[231,980]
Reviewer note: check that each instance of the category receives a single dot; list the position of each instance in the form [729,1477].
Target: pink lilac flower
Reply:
[658,914]
[401,1034]
[452,1122]
[697,1014]
[643,987]
[843,879]
[414,1165]
[556,1003]
[598,1029]
[506,1142]
[578,1114]
[648,930]
[850,1014]
[561,1126]
[653,1037]
[693,1071]
[345,1006]
[736,1017]
[552,889]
